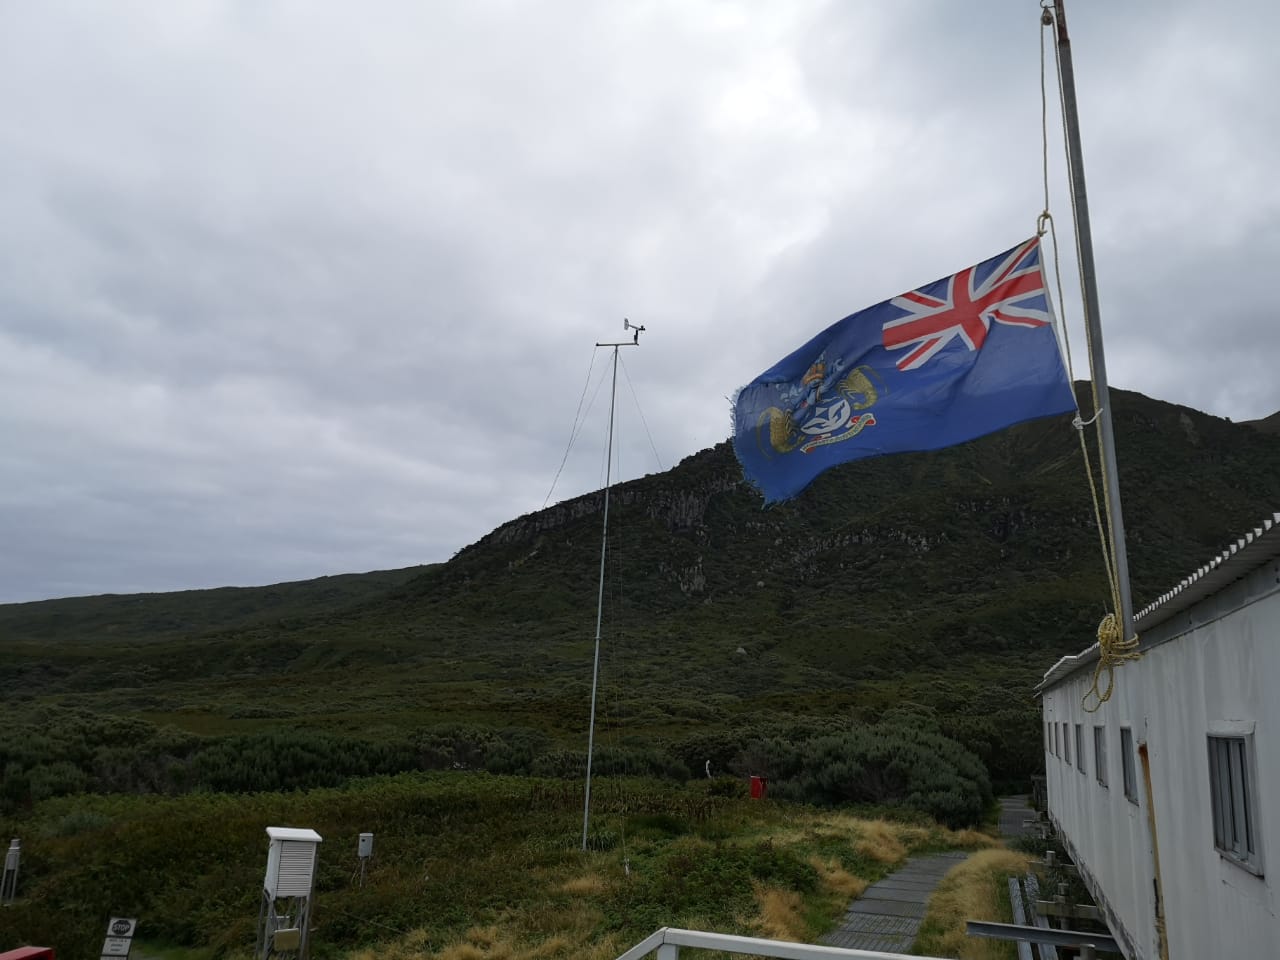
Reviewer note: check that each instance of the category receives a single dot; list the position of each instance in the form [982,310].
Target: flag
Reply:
[953,360]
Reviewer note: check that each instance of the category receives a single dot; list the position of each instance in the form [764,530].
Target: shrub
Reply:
[891,763]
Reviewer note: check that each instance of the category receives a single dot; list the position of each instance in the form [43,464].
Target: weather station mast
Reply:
[604,545]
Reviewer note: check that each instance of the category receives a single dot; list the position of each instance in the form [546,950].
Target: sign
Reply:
[119,938]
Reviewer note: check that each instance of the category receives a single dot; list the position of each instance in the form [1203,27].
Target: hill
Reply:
[947,580]
[146,616]
[1269,424]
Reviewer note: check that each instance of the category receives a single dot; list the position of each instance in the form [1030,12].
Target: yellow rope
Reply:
[1113,648]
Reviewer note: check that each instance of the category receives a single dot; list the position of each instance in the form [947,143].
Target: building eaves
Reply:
[1259,546]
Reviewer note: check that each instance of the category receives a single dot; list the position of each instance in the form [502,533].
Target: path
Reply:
[887,916]
[1013,811]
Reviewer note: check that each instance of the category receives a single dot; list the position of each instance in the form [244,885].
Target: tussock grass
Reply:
[975,838]
[825,859]
[780,914]
[975,889]
[839,881]
[588,884]
[495,943]
[883,842]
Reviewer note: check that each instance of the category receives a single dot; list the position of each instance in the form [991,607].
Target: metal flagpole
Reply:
[1093,323]
[604,541]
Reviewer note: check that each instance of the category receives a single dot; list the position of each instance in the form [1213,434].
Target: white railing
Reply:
[668,941]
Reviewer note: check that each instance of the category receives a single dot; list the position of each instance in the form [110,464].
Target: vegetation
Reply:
[975,889]
[903,761]
[466,864]
[951,579]
[875,641]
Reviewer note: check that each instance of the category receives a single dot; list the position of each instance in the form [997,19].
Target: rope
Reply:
[627,376]
[577,424]
[1113,648]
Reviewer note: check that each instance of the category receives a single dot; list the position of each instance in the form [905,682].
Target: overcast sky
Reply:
[300,288]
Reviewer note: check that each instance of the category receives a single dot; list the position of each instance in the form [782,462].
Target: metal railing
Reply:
[668,940]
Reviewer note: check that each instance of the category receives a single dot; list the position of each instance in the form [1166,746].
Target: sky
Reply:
[291,288]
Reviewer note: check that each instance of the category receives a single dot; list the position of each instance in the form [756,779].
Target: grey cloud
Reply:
[288,295]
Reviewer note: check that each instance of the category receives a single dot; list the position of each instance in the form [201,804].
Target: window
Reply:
[1234,807]
[1126,764]
[1100,754]
[1048,742]
[1080,747]
[1056,751]
[1066,744]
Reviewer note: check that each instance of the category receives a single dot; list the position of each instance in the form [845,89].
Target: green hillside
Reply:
[949,579]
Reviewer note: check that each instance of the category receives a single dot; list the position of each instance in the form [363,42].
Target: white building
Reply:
[1186,751]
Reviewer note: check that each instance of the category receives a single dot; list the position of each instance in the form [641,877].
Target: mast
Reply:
[1093,322]
[604,543]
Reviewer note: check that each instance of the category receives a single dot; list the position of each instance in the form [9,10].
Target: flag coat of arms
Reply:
[951,361]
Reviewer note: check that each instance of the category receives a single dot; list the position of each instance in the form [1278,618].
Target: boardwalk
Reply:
[1013,811]
[887,916]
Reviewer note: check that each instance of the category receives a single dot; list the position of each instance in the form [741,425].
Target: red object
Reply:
[29,953]
[758,786]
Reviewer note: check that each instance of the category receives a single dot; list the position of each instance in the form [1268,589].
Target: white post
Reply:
[9,886]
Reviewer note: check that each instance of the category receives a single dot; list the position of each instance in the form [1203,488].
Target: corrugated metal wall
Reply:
[1212,668]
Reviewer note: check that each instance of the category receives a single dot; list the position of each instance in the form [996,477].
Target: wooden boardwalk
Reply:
[887,916]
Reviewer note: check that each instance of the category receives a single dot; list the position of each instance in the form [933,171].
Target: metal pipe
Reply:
[604,540]
[1024,933]
[752,947]
[1162,933]
[1093,322]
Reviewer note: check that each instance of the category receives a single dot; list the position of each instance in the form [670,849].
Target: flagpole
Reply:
[1093,323]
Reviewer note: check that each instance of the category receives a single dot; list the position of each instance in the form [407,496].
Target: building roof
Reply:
[1246,554]
[293,833]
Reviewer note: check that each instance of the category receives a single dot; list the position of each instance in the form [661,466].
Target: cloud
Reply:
[289,290]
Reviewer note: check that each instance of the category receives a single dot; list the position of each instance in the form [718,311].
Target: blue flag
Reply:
[959,358]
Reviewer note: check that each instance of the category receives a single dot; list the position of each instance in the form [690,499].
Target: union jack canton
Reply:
[1012,292]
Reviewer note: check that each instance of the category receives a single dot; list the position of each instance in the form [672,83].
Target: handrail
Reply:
[667,941]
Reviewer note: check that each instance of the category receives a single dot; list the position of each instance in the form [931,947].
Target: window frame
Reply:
[1233,799]
[1100,754]
[1128,766]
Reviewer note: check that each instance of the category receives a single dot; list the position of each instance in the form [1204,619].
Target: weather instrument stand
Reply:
[9,884]
[284,915]
[604,542]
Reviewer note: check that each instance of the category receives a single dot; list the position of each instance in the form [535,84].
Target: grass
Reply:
[562,914]
[468,867]
[975,889]
[144,950]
